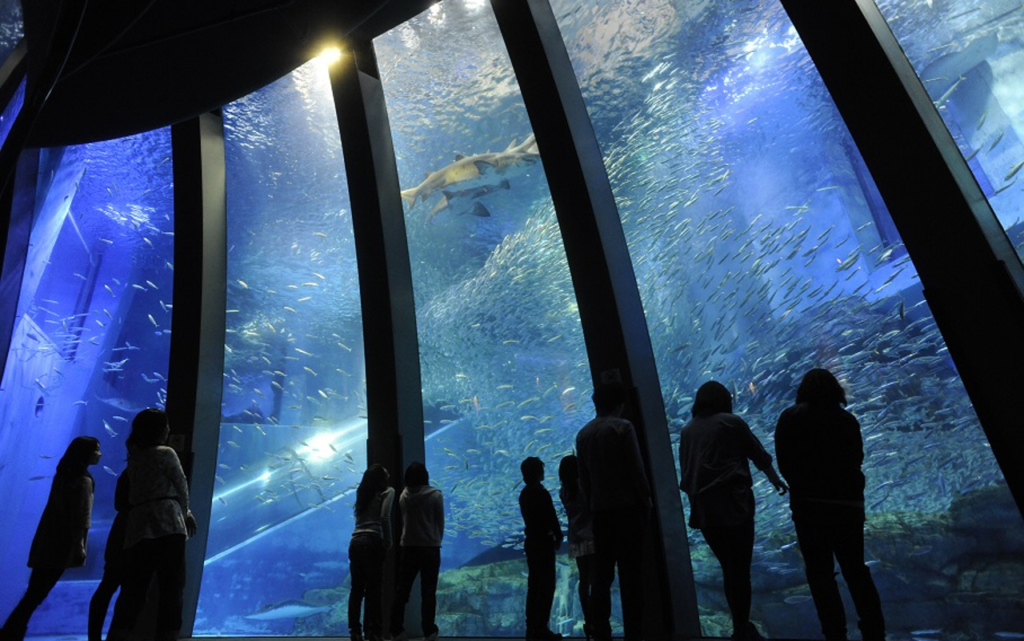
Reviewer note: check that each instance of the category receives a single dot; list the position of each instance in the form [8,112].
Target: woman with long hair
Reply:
[63,533]
[820,454]
[715,451]
[159,522]
[371,540]
[581,530]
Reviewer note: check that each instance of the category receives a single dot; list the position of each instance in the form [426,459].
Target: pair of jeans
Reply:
[619,539]
[40,582]
[426,562]
[165,558]
[366,563]
[733,546]
[837,532]
[540,585]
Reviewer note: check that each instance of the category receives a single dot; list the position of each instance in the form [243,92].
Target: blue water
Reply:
[761,249]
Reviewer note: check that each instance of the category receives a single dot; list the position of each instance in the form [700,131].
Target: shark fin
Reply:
[459,157]
[441,204]
[511,146]
[504,184]
[409,196]
[480,211]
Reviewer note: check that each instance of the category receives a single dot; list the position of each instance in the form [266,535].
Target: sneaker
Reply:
[431,637]
[356,636]
[401,636]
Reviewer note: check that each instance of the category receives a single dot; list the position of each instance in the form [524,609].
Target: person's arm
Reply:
[636,460]
[439,513]
[556,526]
[81,516]
[762,459]
[180,483]
[387,497]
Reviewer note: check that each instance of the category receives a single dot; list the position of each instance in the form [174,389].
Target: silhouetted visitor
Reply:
[581,531]
[714,450]
[159,523]
[543,538]
[371,539]
[820,452]
[614,485]
[113,561]
[62,536]
[419,550]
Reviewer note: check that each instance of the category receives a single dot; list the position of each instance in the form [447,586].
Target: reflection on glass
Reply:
[761,250]
[970,57]
[293,431]
[504,367]
[11,111]
[90,344]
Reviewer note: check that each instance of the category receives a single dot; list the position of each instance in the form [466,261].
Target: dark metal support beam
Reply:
[17,204]
[614,325]
[973,279]
[195,376]
[394,398]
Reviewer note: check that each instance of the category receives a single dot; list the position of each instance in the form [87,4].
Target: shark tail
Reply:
[409,196]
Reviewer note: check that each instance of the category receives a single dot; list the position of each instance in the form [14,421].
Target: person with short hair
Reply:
[543,538]
[422,507]
[581,531]
[613,482]
[820,452]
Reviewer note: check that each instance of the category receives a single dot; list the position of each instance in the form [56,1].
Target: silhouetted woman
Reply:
[714,450]
[820,454]
[371,539]
[113,562]
[63,533]
[581,530]
[159,523]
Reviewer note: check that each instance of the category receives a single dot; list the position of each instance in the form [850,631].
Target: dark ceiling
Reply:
[135,65]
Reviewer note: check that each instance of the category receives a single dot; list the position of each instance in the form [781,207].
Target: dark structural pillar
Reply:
[973,279]
[394,400]
[196,373]
[614,325]
[393,396]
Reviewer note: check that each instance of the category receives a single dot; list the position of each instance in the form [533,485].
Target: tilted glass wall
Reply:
[504,367]
[293,430]
[970,58]
[90,346]
[762,249]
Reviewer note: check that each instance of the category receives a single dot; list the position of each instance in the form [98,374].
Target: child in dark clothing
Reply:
[543,538]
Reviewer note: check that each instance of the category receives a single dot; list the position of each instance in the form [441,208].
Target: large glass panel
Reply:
[293,430]
[10,112]
[762,249]
[970,57]
[90,345]
[505,374]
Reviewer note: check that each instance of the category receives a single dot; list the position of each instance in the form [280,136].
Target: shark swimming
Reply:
[291,609]
[473,176]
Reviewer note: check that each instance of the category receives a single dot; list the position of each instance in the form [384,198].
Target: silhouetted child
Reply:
[543,538]
[581,530]
[63,532]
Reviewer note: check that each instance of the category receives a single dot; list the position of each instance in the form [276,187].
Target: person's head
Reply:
[416,474]
[82,452]
[569,475]
[609,398]
[712,398]
[375,481]
[149,429]
[532,469]
[820,387]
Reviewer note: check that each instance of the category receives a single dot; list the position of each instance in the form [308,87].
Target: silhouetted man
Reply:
[614,485]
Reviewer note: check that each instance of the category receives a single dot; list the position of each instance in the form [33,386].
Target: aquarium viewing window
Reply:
[91,343]
[970,58]
[752,235]
[293,427]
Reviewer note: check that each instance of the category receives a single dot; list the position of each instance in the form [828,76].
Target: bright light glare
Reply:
[330,55]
